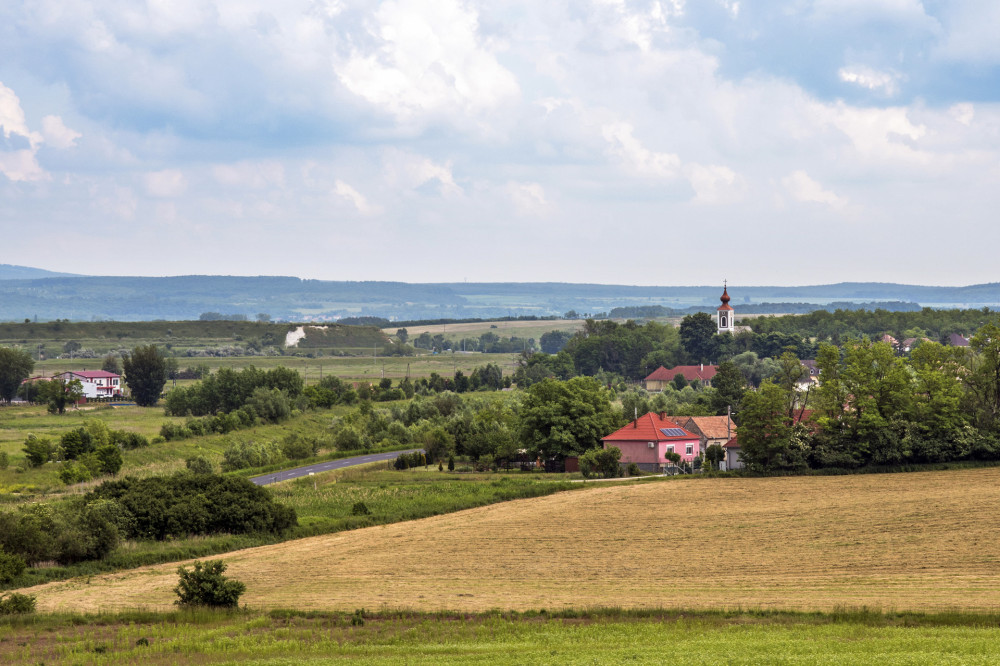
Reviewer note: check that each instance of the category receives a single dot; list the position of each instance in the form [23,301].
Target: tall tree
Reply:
[145,374]
[766,433]
[58,393]
[564,418]
[15,366]
[983,380]
[698,337]
[730,386]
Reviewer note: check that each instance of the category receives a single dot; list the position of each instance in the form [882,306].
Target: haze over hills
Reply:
[35,293]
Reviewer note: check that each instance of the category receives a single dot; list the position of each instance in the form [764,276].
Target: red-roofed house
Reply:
[646,440]
[96,383]
[660,377]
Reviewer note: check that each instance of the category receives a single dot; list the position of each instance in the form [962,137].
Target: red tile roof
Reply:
[647,429]
[690,372]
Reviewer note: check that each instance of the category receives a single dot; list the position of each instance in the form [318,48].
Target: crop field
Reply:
[366,368]
[505,329]
[203,637]
[894,542]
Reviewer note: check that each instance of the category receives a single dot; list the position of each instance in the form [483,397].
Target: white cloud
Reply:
[57,134]
[528,198]
[885,82]
[345,191]
[637,157]
[803,188]
[256,175]
[19,144]
[963,113]
[430,58]
[714,184]
[165,184]
[410,171]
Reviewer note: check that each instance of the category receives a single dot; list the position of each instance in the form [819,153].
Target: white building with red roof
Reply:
[96,383]
[646,441]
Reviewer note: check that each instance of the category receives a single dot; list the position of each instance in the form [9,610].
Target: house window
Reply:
[689,449]
[670,448]
[722,321]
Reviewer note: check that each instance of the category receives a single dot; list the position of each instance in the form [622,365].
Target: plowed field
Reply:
[922,541]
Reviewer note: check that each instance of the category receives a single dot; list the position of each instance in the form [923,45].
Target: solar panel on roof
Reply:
[673,432]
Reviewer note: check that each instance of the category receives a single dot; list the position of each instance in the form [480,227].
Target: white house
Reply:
[96,383]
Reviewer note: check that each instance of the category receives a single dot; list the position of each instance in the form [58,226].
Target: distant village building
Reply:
[95,383]
[709,429]
[958,340]
[659,378]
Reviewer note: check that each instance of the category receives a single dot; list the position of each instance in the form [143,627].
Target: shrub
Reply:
[633,469]
[38,450]
[11,566]
[76,442]
[246,454]
[74,473]
[110,459]
[199,465]
[360,509]
[297,448]
[17,604]
[601,461]
[349,439]
[204,585]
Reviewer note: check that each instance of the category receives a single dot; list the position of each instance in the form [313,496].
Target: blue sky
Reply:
[668,142]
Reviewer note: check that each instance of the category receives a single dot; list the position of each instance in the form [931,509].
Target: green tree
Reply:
[730,386]
[37,450]
[766,431]
[698,333]
[58,393]
[562,418]
[15,366]
[110,459]
[76,443]
[983,380]
[11,566]
[146,374]
[205,585]
[402,335]
[715,454]
[112,363]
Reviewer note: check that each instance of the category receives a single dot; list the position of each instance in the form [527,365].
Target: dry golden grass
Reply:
[924,541]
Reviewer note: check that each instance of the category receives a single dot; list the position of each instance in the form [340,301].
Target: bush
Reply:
[17,604]
[11,566]
[110,459]
[243,455]
[76,442]
[603,462]
[204,585]
[360,509]
[190,504]
[37,450]
[73,472]
[199,465]
[349,439]
[297,448]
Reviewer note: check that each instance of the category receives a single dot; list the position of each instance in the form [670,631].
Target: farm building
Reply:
[646,441]
[96,383]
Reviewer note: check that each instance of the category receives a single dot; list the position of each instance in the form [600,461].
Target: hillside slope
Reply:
[901,541]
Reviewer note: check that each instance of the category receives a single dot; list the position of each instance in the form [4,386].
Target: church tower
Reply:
[725,316]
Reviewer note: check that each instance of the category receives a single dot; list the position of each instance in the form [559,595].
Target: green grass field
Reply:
[656,637]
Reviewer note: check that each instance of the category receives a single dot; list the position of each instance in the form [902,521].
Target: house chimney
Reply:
[703,367]
[635,424]
[663,416]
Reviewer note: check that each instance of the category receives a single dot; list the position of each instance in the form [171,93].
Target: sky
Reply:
[671,142]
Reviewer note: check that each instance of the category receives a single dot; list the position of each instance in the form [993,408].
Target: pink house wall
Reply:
[639,452]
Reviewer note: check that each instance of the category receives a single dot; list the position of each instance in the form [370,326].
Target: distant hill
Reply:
[187,297]
[12,272]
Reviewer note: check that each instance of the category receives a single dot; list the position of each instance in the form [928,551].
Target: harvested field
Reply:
[924,541]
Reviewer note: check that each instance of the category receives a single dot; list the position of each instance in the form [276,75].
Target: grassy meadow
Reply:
[902,542]
[675,637]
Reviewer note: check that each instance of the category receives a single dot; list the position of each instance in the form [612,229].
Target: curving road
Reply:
[316,468]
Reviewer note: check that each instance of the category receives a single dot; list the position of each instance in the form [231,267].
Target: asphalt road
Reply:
[295,473]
